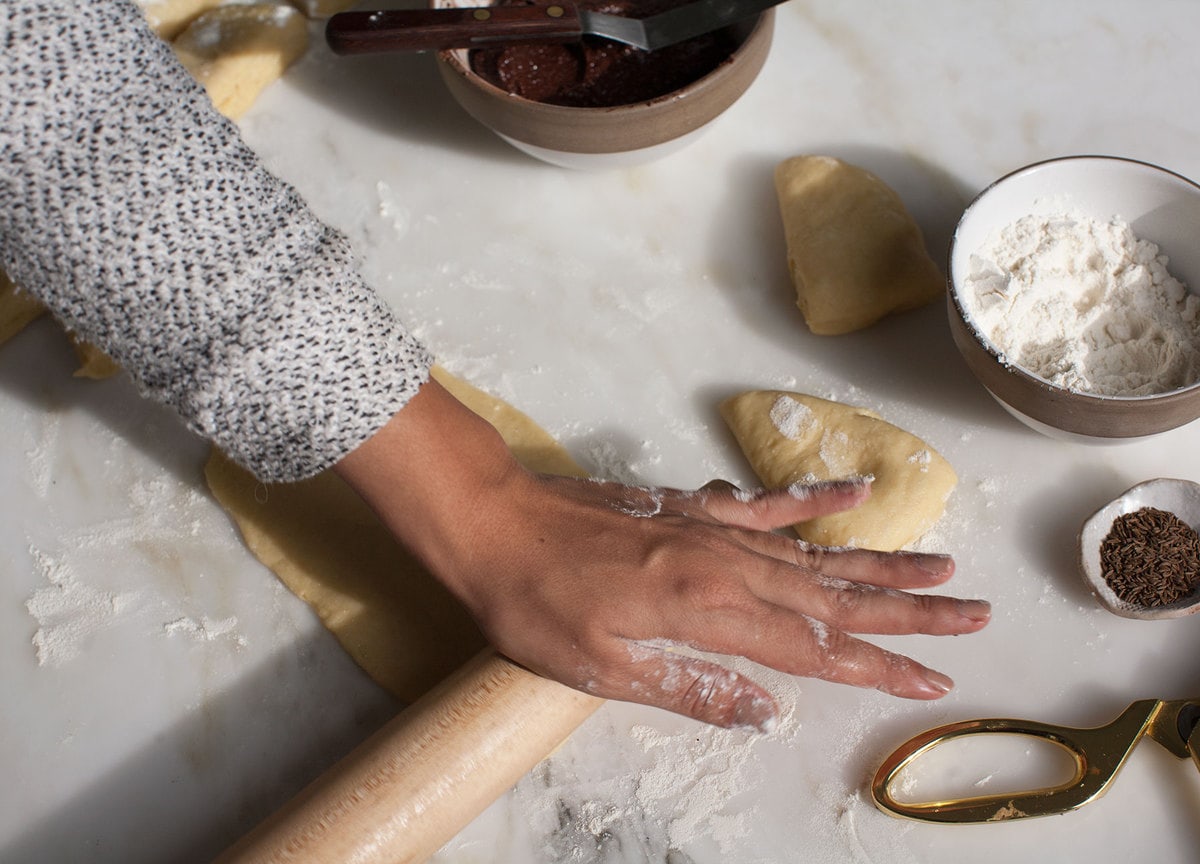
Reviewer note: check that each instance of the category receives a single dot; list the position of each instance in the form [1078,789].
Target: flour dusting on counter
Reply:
[692,780]
[120,572]
[206,629]
[68,611]
[37,461]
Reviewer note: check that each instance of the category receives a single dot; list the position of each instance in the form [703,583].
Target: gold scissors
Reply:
[1098,754]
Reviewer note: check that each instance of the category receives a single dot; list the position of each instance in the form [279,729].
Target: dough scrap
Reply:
[854,252]
[235,51]
[93,363]
[794,438]
[17,309]
[397,622]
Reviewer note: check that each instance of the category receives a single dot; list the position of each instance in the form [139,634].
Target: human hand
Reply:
[613,589]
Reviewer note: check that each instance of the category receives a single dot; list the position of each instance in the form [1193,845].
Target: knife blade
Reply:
[365,32]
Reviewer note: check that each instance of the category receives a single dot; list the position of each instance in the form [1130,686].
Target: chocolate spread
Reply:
[597,72]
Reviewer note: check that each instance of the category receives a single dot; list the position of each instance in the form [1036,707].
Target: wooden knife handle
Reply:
[435,29]
[405,791]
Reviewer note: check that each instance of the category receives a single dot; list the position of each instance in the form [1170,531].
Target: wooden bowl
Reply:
[618,136]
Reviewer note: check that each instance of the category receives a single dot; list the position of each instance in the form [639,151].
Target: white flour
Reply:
[1085,305]
[68,611]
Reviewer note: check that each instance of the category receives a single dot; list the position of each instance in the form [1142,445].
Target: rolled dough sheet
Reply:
[17,309]
[794,438]
[397,622]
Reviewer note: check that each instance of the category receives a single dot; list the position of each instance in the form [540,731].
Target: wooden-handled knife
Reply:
[363,32]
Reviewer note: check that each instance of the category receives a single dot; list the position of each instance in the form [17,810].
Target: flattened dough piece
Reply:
[854,252]
[793,438]
[397,622]
[235,51]
[18,309]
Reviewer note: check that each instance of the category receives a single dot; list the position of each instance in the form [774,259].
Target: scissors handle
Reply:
[1098,754]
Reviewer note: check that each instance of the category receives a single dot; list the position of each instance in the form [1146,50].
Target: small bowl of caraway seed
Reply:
[1140,553]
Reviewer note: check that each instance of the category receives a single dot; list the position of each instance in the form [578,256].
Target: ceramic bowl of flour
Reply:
[1075,297]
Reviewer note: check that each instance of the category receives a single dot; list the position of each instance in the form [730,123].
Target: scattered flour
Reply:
[606,462]
[41,443]
[921,458]
[696,776]
[68,612]
[79,600]
[392,211]
[1085,305]
[793,419]
[836,454]
[651,506]
[205,630]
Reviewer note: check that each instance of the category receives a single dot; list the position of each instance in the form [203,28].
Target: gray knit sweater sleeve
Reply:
[136,213]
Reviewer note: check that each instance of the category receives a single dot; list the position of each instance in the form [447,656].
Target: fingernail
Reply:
[935,684]
[975,611]
[933,563]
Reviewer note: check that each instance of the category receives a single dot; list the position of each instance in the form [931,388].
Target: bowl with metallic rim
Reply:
[610,136]
[1159,206]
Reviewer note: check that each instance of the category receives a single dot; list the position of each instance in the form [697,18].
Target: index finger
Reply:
[768,509]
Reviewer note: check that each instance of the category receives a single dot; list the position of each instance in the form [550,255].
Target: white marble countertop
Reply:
[161,693]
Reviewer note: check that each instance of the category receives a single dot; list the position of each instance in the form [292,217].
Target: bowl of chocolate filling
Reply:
[595,103]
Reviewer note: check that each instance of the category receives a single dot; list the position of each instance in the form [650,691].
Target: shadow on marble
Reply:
[1053,520]
[200,785]
[37,371]
[399,94]
[910,356]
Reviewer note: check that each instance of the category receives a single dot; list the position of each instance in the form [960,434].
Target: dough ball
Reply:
[792,438]
[235,51]
[854,252]
[395,619]
[168,18]
[17,309]
[323,8]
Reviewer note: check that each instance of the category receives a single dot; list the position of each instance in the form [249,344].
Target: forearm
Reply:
[135,212]
[438,475]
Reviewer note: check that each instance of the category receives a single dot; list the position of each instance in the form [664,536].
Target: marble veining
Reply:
[617,309]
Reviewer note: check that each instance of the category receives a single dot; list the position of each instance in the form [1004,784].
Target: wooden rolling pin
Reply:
[410,787]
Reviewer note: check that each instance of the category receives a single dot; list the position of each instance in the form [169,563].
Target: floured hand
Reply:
[598,585]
